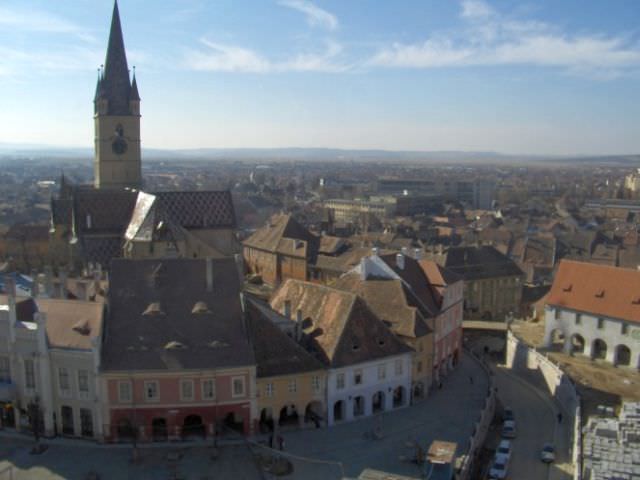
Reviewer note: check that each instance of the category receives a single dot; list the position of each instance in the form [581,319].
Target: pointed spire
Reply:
[99,89]
[134,87]
[115,80]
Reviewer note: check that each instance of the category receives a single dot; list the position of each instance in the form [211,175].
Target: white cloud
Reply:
[491,39]
[232,58]
[40,22]
[316,16]
[476,9]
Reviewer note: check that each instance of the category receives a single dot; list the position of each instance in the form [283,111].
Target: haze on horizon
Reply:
[536,77]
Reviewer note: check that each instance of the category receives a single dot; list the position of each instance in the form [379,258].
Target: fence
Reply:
[523,357]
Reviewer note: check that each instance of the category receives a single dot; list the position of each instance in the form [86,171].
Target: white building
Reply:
[368,368]
[48,356]
[594,310]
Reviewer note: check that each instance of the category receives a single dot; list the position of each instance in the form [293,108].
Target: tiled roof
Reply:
[474,263]
[137,341]
[72,323]
[344,331]
[101,249]
[280,227]
[276,353]
[198,209]
[103,210]
[597,289]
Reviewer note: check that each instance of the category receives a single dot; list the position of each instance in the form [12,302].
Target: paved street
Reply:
[535,414]
[447,415]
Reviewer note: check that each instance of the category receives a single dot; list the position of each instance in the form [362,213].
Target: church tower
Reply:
[117,160]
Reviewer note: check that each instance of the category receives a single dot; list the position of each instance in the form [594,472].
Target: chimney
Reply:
[417,253]
[299,317]
[41,320]
[287,308]
[363,268]
[35,286]
[440,249]
[404,250]
[374,251]
[400,261]
[209,274]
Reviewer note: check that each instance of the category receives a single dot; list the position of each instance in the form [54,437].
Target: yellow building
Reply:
[290,382]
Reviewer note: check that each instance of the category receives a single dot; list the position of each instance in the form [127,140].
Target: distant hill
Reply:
[20,152]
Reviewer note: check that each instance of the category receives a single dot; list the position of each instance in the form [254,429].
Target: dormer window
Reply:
[600,293]
[200,307]
[153,309]
[82,327]
[175,345]
[567,288]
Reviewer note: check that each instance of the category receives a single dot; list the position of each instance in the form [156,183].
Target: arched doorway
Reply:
[377,402]
[418,391]
[233,421]
[599,351]
[577,343]
[266,420]
[358,406]
[398,397]
[623,355]
[556,340]
[125,430]
[338,411]
[159,431]
[67,420]
[288,416]
[313,413]
[192,427]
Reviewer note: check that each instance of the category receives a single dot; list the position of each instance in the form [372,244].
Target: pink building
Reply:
[176,361]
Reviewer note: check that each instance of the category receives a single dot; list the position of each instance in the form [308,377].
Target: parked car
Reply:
[498,469]
[509,429]
[504,450]
[548,453]
[507,414]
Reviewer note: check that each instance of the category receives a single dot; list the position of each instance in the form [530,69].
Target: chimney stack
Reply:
[363,268]
[374,251]
[400,261]
[209,262]
[287,309]
[417,253]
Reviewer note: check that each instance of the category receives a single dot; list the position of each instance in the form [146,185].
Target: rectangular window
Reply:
[315,384]
[124,392]
[558,314]
[29,375]
[578,319]
[83,383]
[624,329]
[151,391]
[238,386]
[399,367]
[268,390]
[293,386]
[382,372]
[5,370]
[600,323]
[186,389]
[340,381]
[357,377]
[208,389]
[63,380]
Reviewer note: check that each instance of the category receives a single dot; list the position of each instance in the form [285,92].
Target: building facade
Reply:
[594,310]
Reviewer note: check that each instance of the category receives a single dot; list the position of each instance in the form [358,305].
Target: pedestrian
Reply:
[559,417]
[280,442]
[470,379]
[271,441]
[440,386]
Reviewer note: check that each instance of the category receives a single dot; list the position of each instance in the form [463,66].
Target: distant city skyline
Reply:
[537,77]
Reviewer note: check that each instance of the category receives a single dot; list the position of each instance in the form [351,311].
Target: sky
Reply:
[559,77]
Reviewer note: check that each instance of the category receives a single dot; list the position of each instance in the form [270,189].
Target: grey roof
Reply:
[474,263]
[276,353]
[151,324]
[115,83]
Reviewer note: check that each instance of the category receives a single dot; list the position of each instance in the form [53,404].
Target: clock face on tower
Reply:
[119,144]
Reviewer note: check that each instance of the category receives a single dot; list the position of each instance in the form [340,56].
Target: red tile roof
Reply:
[597,289]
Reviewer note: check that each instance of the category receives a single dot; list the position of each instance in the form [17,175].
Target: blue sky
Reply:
[539,76]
